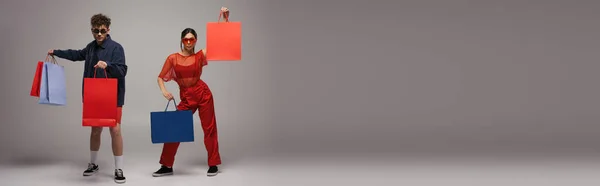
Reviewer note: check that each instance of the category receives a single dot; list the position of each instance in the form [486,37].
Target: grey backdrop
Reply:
[320,77]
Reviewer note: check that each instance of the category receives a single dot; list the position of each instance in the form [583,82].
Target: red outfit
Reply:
[195,95]
[119,114]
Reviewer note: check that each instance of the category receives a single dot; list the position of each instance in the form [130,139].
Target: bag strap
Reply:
[174,103]
[53,59]
[105,74]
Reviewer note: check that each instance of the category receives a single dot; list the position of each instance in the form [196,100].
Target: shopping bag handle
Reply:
[221,15]
[174,103]
[53,59]
[105,74]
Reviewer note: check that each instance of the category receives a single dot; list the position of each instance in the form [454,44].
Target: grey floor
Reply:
[328,170]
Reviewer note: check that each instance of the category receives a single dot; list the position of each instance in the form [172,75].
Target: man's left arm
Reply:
[117,67]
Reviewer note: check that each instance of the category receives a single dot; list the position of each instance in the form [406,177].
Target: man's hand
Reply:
[51,52]
[101,64]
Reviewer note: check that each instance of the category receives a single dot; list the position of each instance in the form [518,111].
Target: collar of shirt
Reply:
[105,42]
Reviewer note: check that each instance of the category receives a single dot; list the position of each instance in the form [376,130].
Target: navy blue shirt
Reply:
[110,52]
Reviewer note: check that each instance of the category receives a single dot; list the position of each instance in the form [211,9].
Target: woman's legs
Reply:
[167,158]
[198,97]
[208,120]
[206,111]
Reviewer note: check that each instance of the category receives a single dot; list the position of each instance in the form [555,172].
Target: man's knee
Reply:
[115,131]
[96,131]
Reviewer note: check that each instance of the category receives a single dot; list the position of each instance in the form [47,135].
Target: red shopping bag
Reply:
[35,87]
[224,40]
[37,77]
[99,102]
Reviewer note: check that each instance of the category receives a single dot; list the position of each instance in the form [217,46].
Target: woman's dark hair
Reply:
[185,32]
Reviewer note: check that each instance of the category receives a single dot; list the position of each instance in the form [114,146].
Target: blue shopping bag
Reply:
[53,90]
[172,126]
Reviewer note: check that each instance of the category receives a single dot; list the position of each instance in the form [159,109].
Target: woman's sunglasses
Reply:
[188,40]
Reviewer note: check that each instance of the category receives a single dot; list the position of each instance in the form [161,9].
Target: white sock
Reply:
[118,162]
[93,156]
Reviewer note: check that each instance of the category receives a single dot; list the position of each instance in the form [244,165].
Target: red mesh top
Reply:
[185,70]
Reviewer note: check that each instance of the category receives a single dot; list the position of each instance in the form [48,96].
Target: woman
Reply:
[185,67]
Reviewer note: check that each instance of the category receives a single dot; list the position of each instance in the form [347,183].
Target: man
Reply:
[102,54]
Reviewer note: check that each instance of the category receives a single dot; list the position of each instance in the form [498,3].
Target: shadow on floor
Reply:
[27,161]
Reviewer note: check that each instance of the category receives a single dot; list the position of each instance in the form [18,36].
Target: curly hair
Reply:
[99,20]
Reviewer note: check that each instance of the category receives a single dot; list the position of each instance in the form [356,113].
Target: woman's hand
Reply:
[167,95]
[225,12]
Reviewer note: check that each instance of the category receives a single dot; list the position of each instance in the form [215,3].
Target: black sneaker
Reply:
[212,171]
[163,171]
[91,170]
[119,177]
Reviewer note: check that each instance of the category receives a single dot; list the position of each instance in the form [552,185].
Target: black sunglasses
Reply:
[96,31]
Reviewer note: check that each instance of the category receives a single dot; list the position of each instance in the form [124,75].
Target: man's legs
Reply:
[95,140]
[117,147]
[117,140]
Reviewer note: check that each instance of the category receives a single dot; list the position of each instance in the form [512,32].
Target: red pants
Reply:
[197,97]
